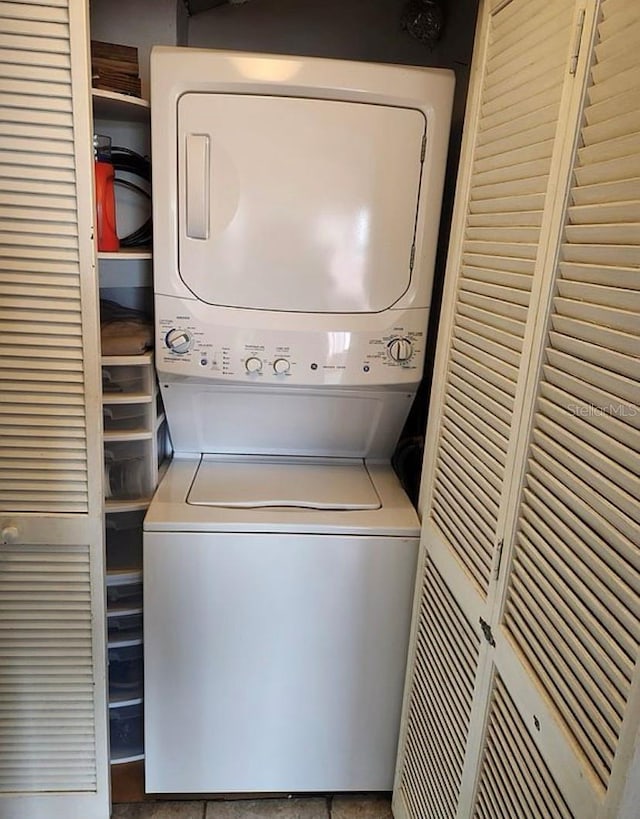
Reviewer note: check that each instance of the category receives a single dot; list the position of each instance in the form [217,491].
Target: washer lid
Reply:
[308,483]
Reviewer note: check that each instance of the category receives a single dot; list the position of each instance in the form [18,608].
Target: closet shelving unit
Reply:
[135,448]
[114,106]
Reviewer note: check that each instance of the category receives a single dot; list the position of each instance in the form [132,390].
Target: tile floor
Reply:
[332,807]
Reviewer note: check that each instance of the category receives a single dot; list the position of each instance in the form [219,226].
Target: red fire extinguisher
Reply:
[105,195]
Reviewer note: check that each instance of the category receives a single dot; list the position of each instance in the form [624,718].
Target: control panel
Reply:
[384,355]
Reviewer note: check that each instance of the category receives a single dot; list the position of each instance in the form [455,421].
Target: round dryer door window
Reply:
[299,205]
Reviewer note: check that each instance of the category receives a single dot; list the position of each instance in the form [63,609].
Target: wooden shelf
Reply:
[127,398]
[128,759]
[126,254]
[122,436]
[121,107]
[135,505]
[144,359]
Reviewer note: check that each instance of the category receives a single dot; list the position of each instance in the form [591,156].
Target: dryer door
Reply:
[294,204]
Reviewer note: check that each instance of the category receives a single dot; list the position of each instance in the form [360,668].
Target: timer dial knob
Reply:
[178,341]
[281,365]
[400,349]
[253,365]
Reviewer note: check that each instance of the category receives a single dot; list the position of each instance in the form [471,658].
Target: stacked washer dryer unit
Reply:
[296,207]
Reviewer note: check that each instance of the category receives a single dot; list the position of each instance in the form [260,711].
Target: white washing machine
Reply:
[276,638]
[296,207]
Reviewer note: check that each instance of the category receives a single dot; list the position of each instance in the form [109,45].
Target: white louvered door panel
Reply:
[53,754]
[514,154]
[572,608]
[514,780]
[46,697]
[439,706]
[524,75]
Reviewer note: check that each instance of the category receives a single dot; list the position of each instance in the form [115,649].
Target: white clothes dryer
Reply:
[295,206]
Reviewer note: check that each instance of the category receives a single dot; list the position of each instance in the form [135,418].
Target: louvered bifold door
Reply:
[571,615]
[53,738]
[525,87]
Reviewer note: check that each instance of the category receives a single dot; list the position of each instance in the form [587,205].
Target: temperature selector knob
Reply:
[281,365]
[178,341]
[400,349]
[253,365]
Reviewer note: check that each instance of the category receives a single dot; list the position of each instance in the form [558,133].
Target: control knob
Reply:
[178,341]
[253,365]
[281,365]
[400,349]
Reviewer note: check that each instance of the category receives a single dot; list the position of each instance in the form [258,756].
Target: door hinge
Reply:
[412,257]
[575,51]
[486,630]
[496,571]
[423,150]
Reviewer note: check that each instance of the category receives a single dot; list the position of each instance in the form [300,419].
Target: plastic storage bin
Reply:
[124,626]
[127,471]
[124,540]
[118,379]
[126,730]
[126,417]
[125,670]
[135,434]
[124,591]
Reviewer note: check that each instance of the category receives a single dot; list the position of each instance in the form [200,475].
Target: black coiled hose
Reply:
[126,160]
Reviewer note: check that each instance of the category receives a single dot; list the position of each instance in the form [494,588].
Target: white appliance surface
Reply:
[296,208]
[295,204]
[170,510]
[275,642]
[311,483]
[249,419]
[265,348]
[343,204]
